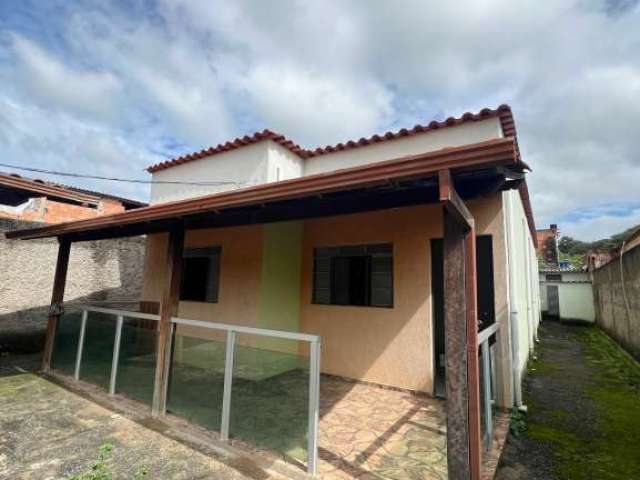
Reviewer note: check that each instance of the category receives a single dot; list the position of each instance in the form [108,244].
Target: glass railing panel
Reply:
[196,379]
[270,394]
[137,364]
[98,349]
[65,343]
[483,410]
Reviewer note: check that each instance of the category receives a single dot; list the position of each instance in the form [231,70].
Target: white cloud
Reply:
[601,225]
[61,87]
[198,72]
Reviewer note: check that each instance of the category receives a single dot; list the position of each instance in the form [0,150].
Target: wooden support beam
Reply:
[168,309]
[458,461]
[461,334]
[57,296]
[452,201]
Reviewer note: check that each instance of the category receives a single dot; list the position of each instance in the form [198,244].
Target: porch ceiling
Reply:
[477,169]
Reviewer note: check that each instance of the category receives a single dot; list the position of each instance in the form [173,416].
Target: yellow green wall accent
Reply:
[279,305]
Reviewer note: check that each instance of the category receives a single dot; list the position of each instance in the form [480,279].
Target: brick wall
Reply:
[51,211]
[620,318]
[104,270]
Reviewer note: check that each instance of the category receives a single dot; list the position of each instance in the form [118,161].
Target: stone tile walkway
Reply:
[371,432]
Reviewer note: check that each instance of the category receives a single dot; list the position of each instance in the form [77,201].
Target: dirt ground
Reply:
[583,420]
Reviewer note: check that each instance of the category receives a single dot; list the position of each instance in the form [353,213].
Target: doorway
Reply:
[553,301]
[486,300]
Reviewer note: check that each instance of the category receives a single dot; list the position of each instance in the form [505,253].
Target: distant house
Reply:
[404,260]
[32,200]
[566,294]
[548,244]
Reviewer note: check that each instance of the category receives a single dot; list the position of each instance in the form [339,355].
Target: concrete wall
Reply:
[43,209]
[247,166]
[105,270]
[466,133]
[576,302]
[267,161]
[258,287]
[575,295]
[618,317]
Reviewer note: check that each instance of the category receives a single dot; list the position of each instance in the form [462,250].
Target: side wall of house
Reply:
[99,271]
[617,300]
[524,291]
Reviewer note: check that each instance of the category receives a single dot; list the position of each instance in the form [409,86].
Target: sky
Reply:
[108,88]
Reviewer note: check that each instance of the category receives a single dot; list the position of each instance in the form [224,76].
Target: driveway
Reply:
[583,396]
[47,432]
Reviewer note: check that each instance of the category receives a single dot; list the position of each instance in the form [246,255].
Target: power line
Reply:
[116,179]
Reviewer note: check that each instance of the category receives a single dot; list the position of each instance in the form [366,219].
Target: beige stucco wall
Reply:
[240,270]
[381,345]
[390,346]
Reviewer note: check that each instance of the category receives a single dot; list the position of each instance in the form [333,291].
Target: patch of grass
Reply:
[100,470]
[610,450]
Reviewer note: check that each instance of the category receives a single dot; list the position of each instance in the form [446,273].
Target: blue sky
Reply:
[109,88]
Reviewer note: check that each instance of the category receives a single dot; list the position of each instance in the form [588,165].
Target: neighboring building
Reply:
[595,259]
[374,247]
[566,294]
[30,200]
[102,271]
[548,244]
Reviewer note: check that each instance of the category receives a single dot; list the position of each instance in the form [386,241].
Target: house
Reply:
[386,261]
[34,200]
[566,294]
[548,244]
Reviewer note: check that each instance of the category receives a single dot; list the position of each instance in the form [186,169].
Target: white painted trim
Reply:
[305,337]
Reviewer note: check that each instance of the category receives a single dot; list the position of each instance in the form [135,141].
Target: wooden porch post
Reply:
[168,309]
[461,341]
[57,296]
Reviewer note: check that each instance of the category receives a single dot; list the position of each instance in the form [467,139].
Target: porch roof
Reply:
[476,168]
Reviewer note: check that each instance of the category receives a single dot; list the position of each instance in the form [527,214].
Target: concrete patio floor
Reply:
[366,432]
[48,432]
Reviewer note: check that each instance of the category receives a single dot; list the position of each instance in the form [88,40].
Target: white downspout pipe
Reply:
[513,299]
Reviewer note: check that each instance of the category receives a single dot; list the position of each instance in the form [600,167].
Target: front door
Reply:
[486,300]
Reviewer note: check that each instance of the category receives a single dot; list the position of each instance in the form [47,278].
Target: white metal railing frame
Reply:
[120,315]
[314,376]
[485,388]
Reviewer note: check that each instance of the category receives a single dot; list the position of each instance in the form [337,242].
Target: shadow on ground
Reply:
[583,396]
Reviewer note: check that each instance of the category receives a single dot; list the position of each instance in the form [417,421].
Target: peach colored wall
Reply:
[240,270]
[389,346]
